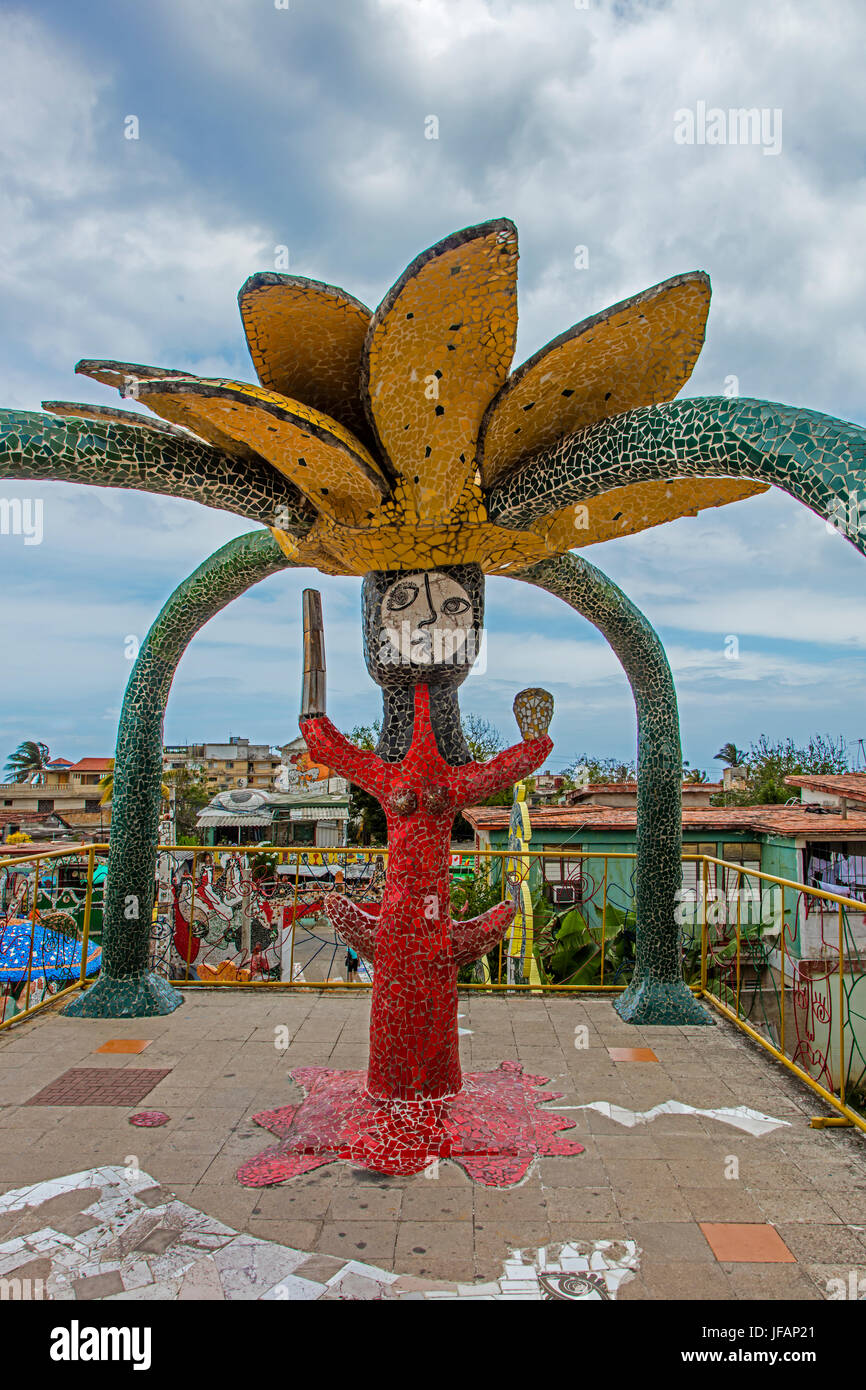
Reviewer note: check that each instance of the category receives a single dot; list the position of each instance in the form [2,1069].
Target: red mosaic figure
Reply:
[416,947]
[412,1107]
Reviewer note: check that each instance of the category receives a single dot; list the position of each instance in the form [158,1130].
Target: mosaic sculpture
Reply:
[395,442]
[422,775]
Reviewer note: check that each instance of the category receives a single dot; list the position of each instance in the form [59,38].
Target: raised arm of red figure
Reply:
[329,747]
[478,780]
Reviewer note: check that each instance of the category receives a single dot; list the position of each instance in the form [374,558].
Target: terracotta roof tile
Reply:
[13,817]
[618,788]
[849,784]
[790,820]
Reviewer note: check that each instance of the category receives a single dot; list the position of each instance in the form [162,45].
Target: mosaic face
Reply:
[422,625]
[427,620]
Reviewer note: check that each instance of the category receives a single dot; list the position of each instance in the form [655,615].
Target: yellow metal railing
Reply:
[18,871]
[251,918]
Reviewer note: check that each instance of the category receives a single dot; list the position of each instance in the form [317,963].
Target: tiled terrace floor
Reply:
[652,1184]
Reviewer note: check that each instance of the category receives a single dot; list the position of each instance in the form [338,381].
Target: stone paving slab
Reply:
[641,1189]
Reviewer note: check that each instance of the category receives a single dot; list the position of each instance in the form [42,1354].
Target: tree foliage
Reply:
[730,754]
[588,768]
[483,739]
[769,761]
[28,763]
[367,824]
[191,796]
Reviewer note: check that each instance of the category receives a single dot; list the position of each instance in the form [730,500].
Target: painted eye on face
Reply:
[402,597]
[453,607]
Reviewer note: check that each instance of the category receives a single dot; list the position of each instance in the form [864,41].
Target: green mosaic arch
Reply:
[126,988]
[816,458]
[150,458]
[657,993]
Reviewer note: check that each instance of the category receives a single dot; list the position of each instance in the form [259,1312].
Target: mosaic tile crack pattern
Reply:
[414,1052]
[816,458]
[424,382]
[739,1116]
[494,1129]
[107,453]
[637,352]
[135,1241]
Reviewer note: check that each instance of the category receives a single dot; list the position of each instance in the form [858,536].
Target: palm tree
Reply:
[732,755]
[29,762]
[106,786]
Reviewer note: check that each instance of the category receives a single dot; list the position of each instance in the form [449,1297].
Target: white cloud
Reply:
[306,127]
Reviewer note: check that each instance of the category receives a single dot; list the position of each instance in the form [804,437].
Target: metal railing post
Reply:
[603,917]
[841,1009]
[784,973]
[704,927]
[85,928]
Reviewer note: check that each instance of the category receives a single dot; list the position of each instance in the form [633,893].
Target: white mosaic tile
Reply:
[740,1116]
[211,1261]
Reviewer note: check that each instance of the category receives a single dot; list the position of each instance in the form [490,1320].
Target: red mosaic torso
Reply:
[413,1027]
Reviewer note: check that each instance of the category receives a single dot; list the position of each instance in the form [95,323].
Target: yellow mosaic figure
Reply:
[520,948]
[392,423]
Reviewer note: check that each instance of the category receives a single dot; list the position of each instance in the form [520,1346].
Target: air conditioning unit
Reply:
[564,894]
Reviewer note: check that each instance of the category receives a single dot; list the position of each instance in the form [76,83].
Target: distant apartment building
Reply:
[237,763]
[66,801]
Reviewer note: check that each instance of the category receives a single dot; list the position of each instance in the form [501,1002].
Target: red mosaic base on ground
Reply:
[149,1119]
[100,1086]
[493,1129]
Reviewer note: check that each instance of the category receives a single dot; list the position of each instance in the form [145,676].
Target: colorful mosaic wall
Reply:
[126,986]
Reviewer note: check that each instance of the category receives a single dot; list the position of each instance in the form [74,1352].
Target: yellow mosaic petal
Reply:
[330,466]
[122,374]
[626,510]
[439,345]
[306,339]
[127,378]
[639,352]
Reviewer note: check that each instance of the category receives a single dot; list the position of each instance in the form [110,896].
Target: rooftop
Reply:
[13,817]
[32,847]
[621,788]
[848,784]
[785,820]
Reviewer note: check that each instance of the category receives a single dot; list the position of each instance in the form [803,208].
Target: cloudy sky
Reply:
[304,126]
